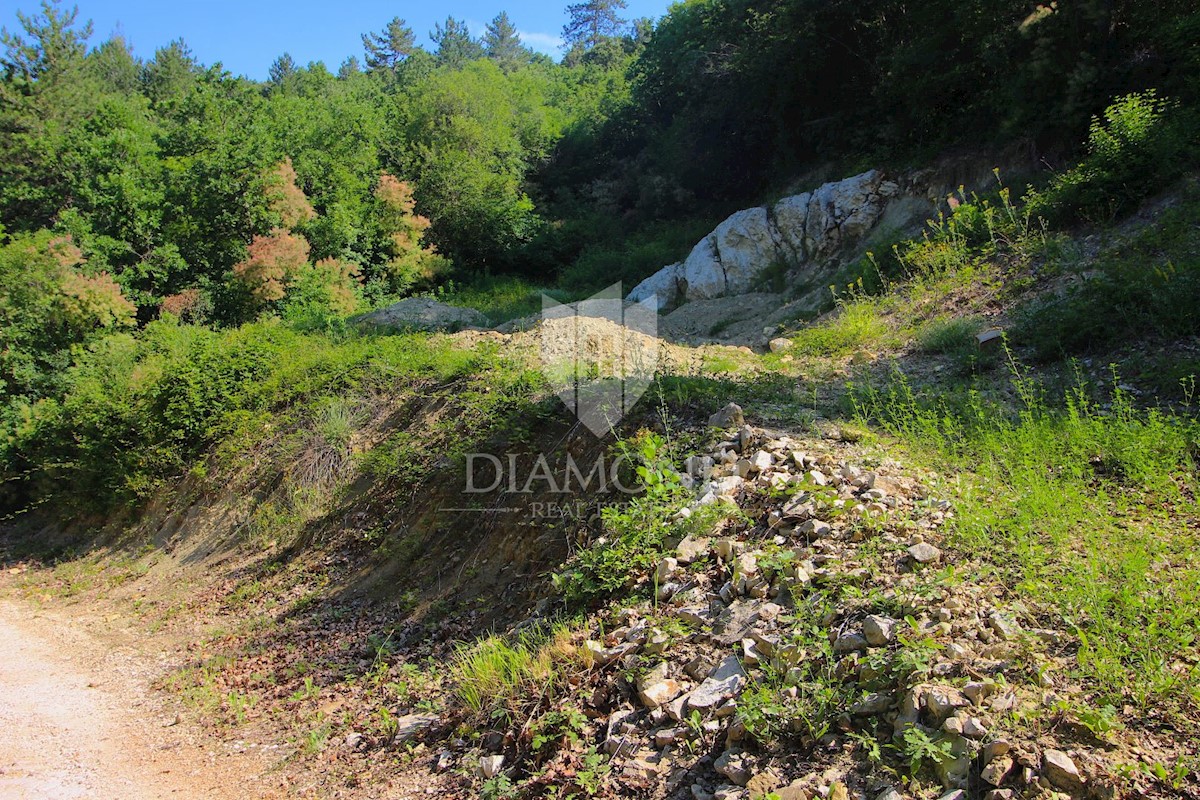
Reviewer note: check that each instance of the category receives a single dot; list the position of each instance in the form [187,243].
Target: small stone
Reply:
[879,631]
[997,770]
[993,750]
[1061,771]
[664,738]
[1004,627]
[656,689]
[924,553]
[724,549]
[957,794]
[780,344]
[850,643]
[889,794]
[692,549]
[973,728]
[699,467]
[728,417]
[725,682]
[762,785]
[872,704]
[990,340]
[412,725]
[732,766]
[666,568]
[838,791]
[814,527]
[698,668]
[942,701]
[977,692]
[761,461]
[490,766]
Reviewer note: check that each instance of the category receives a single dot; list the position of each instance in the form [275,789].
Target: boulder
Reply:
[728,417]
[422,314]
[666,286]
[807,228]
[745,245]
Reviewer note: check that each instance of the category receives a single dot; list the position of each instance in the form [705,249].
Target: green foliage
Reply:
[135,410]
[497,677]
[856,324]
[1077,506]
[1148,285]
[48,303]
[635,533]
[1142,144]
[922,748]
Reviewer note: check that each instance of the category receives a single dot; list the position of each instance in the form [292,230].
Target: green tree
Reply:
[170,74]
[47,304]
[389,48]
[45,90]
[282,70]
[502,44]
[349,68]
[455,45]
[115,67]
[593,21]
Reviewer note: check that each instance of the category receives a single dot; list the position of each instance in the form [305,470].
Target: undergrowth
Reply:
[1087,508]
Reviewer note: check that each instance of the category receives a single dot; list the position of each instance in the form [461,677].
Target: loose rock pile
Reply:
[905,645]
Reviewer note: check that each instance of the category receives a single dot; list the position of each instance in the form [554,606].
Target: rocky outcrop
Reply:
[803,230]
[422,314]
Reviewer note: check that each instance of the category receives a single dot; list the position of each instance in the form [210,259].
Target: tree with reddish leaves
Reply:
[270,264]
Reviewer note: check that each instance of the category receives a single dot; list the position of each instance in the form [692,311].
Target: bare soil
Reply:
[78,719]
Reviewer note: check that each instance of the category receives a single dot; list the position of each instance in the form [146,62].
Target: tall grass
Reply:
[495,676]
[1090,510]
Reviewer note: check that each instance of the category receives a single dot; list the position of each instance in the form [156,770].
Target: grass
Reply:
[857,325]
[1145,287]
[499,677]
[1089,511]
[501,298]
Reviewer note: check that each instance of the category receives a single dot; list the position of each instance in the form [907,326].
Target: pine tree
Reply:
[386,50]
[349,68]
[593,21]
[502,43]
[283,69]
[455,46]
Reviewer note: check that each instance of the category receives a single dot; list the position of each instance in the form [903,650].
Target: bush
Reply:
[1139,146]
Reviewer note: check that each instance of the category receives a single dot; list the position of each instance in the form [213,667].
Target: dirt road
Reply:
[79,720]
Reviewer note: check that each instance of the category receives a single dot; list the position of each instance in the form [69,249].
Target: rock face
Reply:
[803,229]
[422,314]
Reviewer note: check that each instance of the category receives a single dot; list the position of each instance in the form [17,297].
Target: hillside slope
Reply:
[923,566]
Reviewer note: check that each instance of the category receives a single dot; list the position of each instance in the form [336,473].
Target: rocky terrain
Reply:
[822,613]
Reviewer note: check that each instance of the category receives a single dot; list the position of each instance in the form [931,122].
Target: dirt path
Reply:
[79,720]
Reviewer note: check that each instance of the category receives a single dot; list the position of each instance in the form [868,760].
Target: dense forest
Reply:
[132,188]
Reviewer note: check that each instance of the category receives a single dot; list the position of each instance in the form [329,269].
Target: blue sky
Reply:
[247,35]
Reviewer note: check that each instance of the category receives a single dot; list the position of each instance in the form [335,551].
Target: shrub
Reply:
[1138,147]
